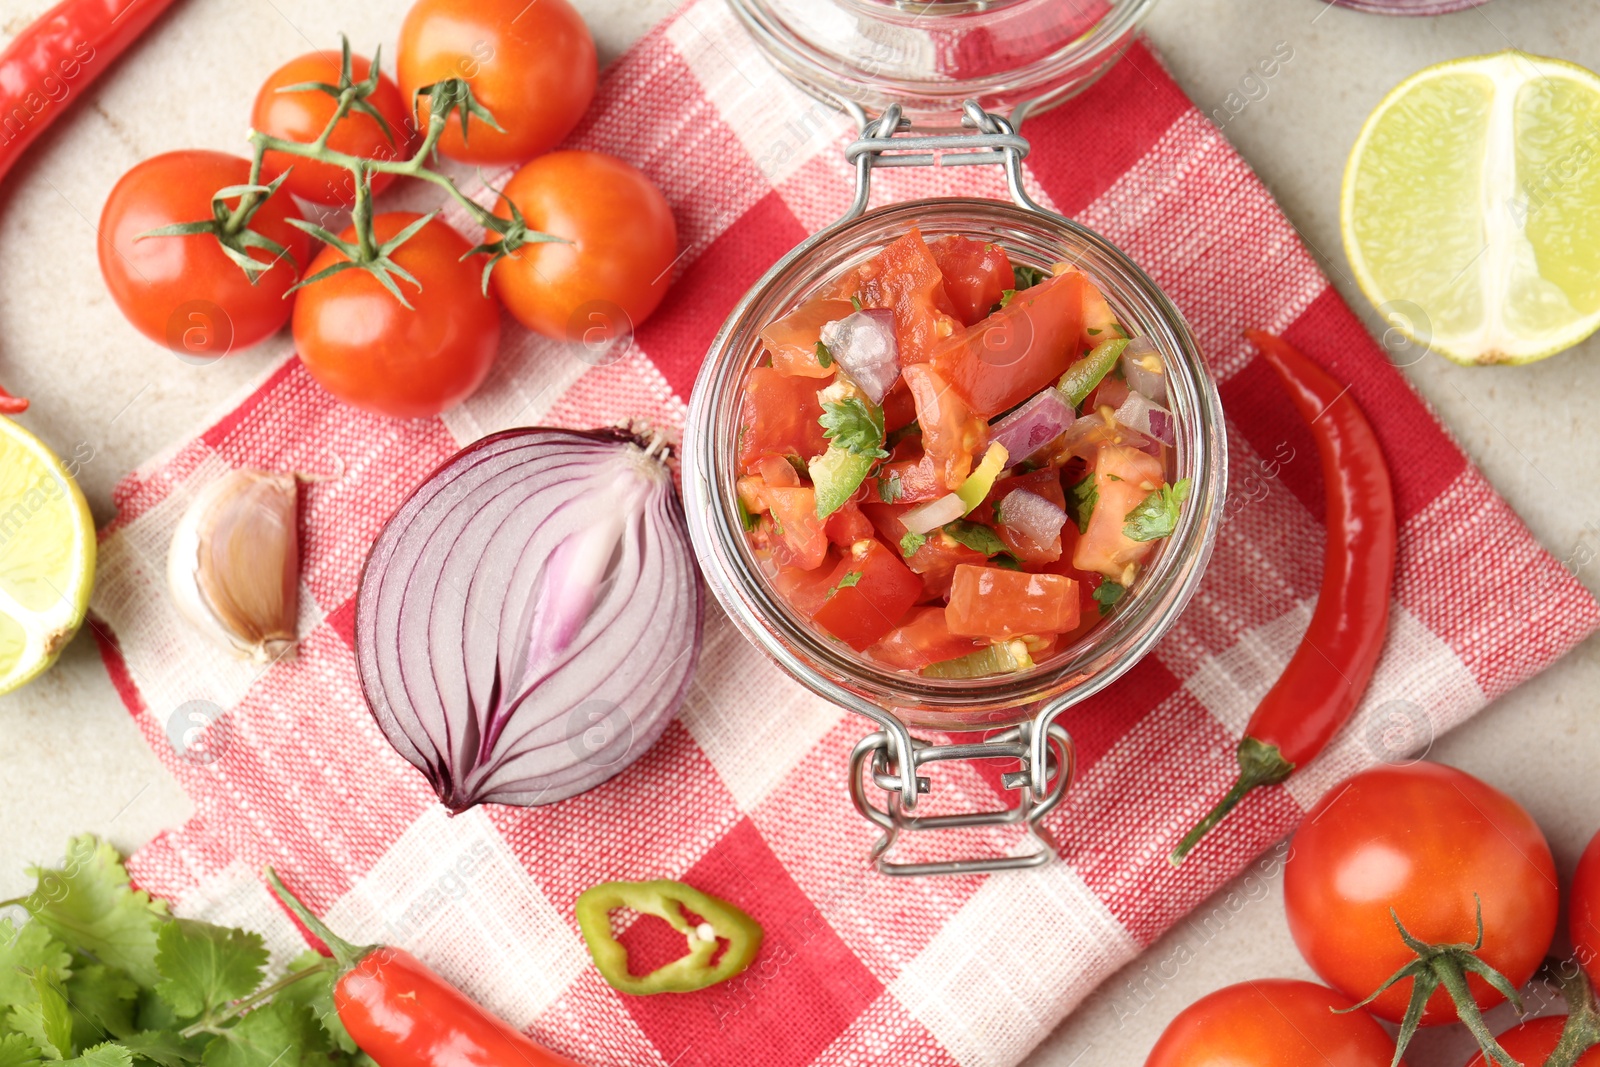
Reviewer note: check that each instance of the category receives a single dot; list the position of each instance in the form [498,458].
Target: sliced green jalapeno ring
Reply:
[668,900]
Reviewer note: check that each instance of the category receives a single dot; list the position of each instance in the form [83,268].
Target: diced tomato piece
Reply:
[951,434]
[1017,351]
[848,525]
[909,481]
[800,540]
[777,473]
[904,278]
[1000,604]
[779,416]
[1045,483]
[792,340]
[1123,477]
[1099,321]
[804,589]
[1088,607]
[1109,393]
[936,561]
[899,408]
[976,274]
[750,493]
[871,590]
[922,638]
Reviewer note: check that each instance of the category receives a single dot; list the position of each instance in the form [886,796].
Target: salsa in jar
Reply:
[954,464]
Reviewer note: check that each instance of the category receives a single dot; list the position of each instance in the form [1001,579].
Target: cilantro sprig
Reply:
[855,426]
[1156,516]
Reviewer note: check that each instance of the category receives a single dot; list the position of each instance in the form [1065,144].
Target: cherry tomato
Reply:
[1531,1042]
[1584,905]
[870,590]
[1274,1022]
[996,603]
[369,350]
[616,264]
[905,278]
[778,418]
[303,115]
[184,292]
[976,275]
[1421,839]
[1123,478]
[531,65]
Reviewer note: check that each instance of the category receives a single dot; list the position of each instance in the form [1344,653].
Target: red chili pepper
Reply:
[403,1015]
[11,405]
[1329,672]
[50,63]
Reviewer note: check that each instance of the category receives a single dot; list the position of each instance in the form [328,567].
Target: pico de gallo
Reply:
[954,464]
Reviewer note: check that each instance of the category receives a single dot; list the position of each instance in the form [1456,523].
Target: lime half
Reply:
[46,556]
[1471,207]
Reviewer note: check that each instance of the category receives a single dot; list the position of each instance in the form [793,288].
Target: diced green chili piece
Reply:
[1088,372]
[668,900]
[1007,657]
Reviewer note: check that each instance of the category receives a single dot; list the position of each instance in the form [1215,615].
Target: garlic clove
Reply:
[234,566]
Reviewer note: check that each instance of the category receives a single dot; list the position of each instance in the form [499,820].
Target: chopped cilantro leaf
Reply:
[1006,295]
[1106,594]
[850,578]
[975,536]
[824,357]
[1006,562]
[1084,497]
[911,542]
[855,426]
[1028,277]
[1157,515]
[1092,332]
[889,488]
[747,518]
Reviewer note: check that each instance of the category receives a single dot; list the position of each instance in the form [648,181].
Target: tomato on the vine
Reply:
[1531,1043]
[184,292]
[531,65]
[369,350]
[1275,1022]
[303,115]
[1583,906]
[614,263]
[1429,842]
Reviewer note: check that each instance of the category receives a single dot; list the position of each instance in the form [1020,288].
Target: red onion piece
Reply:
[1140,414]
[1092,431]
[1144,369]
[863,345]
[1032,515]
[1027,430]
[528,621]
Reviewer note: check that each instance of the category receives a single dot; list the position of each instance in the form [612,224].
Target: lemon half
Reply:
[1471,207]
[47,552]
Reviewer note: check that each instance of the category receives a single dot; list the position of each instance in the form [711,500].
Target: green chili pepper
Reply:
[1081,378]
[668,901]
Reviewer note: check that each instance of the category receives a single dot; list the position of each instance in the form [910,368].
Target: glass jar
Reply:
[1024,705]
[1011,56]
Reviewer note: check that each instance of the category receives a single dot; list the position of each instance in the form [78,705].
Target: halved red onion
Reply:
[863,345]
[1144,369]
[1139,413]
[1032,515]
[528,621]
[934,514]
[1031,427]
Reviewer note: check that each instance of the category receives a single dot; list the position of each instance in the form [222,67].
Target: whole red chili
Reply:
[403,1015]
[1329,672]
[11,405]
[49,64]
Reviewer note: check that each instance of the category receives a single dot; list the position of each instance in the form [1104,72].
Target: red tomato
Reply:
[1530,1043]
[1274,1022]
[531,65]
[1123,477]
[1088,607]
[999,604]
[1584,904]
[799,539]
[1045,483]
[616,262]
[905,279]
[1110,393]
[303,115]
[909,481]
[804,589]
[899,408]
[1017,351]
[950,433]
[848,525]
[1099,321]
[922,639]
[1421,839]
[369,350]
[779,418]
[792,340]
[184,292]
[976,275]
[870,590]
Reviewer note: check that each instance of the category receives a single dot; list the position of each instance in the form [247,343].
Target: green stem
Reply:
[1582,1030]
[1455,983]
[1260,764]
[344,953]
[212,1023]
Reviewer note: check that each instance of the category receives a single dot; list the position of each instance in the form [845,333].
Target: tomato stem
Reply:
[1259,764]
[1582,1029]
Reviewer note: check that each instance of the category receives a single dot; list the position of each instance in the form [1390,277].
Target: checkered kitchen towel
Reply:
[745,794]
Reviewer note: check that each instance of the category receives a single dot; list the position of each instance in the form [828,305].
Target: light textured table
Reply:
[70,760]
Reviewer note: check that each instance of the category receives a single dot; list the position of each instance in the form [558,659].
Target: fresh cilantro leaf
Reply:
[103,1055]
[17,1051]
[1156,516]
[1028,277]
[1106,594]
[44,1016]
[975,536]
[278,1034]
[855,301]
[103,1002]
[316,993]
[850,578]
[1084,497]
[889,488]
[165,1048]
[824,357]
[22,952]
[911,542]
[88,905]
[204,966]
[855,426]
[1005,562]
[1092,332]
[1006,296]
[747,518]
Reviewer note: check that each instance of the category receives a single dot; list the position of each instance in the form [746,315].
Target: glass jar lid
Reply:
[1012,56]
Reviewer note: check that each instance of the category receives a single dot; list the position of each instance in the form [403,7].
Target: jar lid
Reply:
[1012,56]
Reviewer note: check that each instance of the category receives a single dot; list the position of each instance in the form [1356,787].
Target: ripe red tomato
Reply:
[778,417]
[531,65]
[1421,839]
[922,639]
[904,278]
[1584,905]
[976,275]
[1275,1022]
[1532,1042]
[869,591]
[1001,604]
[302,116]
[618,263]
[184,292]
[368,350]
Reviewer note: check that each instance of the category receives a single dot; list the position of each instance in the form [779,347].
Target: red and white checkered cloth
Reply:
[745,795]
